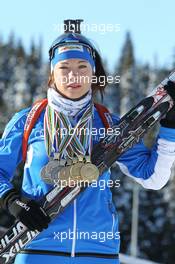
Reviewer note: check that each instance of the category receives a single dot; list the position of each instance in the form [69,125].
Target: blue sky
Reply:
[151,23]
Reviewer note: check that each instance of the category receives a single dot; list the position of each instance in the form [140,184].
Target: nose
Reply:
[72,73]
[72,76]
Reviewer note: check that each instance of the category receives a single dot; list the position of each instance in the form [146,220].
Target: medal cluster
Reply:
[70,172]
[70,163]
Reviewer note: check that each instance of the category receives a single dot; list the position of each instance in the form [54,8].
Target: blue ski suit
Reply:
[90,224]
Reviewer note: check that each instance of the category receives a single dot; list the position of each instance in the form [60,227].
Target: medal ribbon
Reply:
[70,143]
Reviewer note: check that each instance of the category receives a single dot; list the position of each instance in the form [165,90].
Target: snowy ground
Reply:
[124,259]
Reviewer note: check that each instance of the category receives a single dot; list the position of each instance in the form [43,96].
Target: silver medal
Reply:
[44,176]
[49,173]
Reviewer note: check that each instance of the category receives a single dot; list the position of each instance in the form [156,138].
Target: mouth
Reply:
[74,85]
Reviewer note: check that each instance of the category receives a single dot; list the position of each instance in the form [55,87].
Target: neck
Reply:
[62,103]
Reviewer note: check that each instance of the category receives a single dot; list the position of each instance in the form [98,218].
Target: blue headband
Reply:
[72,51]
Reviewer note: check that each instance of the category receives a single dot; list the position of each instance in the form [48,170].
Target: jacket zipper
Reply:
[113,223]
[74,228]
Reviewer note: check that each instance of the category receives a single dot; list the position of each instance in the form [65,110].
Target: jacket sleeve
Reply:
[150,167]
[11,150]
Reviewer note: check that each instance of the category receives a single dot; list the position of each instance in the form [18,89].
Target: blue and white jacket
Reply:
[92,215]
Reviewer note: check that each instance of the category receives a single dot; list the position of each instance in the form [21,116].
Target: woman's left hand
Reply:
[169,120]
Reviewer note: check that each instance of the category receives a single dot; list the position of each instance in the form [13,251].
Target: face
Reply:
[72,77]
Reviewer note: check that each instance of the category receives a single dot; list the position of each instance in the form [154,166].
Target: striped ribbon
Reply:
[68,144]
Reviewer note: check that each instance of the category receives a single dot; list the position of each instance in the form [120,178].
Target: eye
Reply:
[63,67]
[82,66]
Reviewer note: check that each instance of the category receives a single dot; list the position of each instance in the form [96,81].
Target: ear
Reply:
[51,82]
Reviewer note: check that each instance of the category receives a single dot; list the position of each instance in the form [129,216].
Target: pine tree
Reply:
[128,79]
[19,79]
[127,59]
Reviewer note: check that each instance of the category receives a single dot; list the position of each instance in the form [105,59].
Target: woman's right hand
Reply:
[29,212]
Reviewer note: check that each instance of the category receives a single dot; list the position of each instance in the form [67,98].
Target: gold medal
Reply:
[75,169]
[89,171]
[75,172]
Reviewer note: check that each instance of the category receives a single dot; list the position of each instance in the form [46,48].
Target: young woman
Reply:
[92,214]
